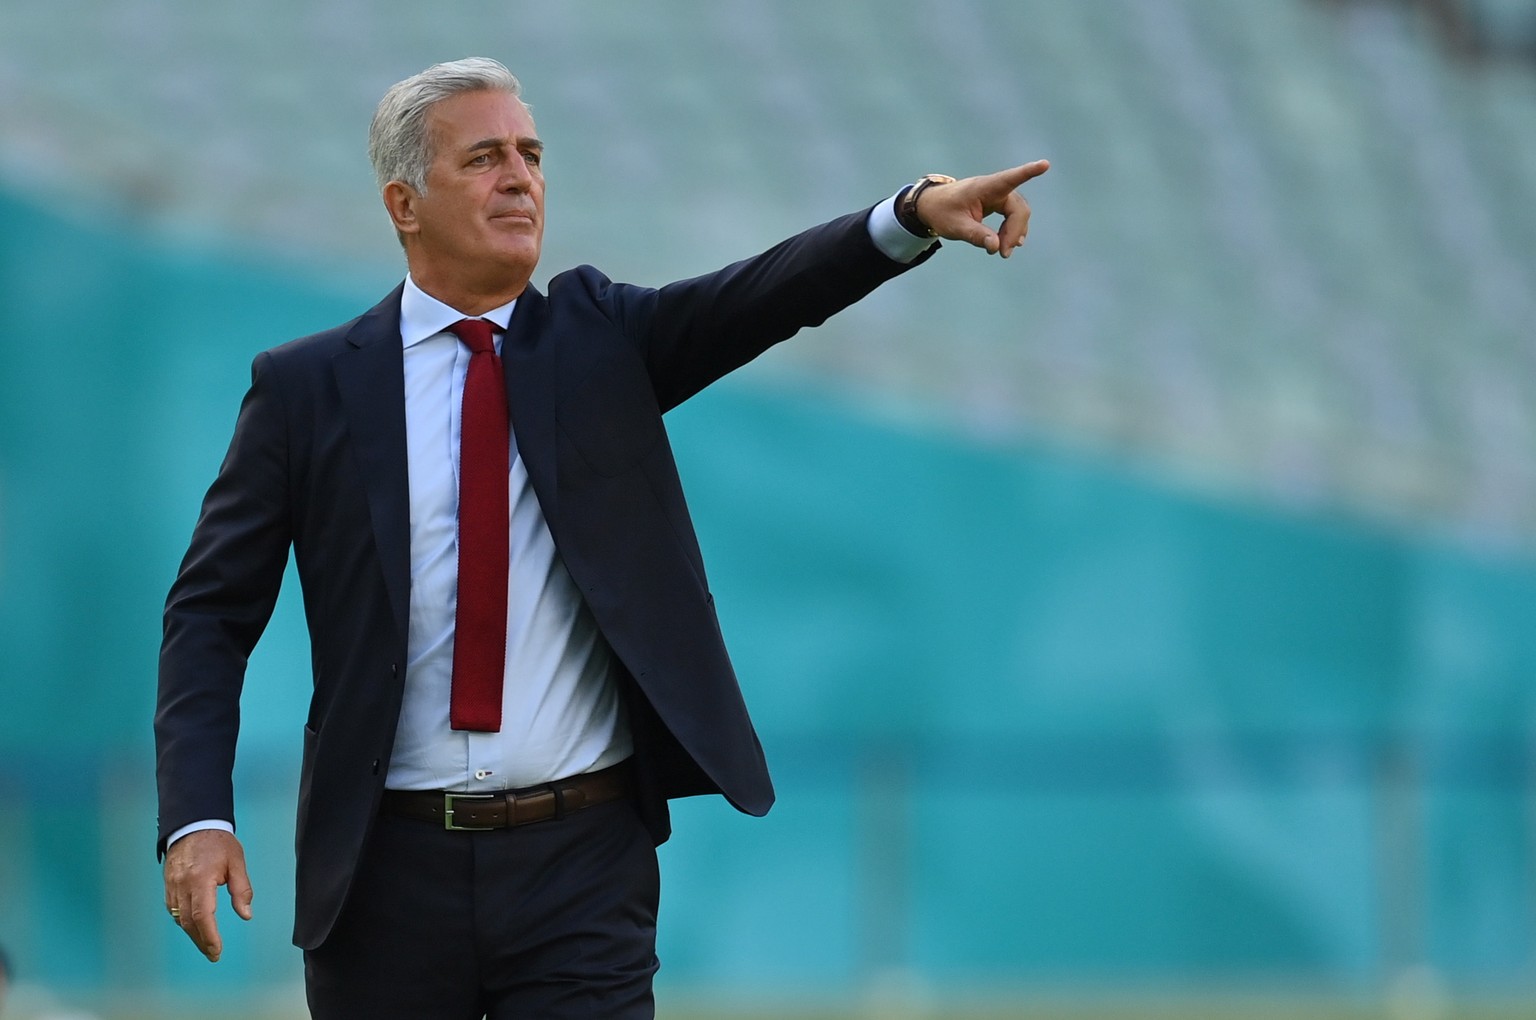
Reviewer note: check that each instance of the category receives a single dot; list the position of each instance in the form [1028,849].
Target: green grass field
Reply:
[1190,1009]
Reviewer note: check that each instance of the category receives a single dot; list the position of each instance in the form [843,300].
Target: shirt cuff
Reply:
[895,241]
[187,830]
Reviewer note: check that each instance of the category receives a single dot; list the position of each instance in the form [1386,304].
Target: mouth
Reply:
[514,214]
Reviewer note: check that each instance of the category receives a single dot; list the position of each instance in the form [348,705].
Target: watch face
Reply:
[938,178]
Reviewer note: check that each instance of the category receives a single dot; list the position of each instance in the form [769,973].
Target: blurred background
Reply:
[1141,626]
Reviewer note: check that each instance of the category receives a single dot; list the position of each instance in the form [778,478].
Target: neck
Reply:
[467,295]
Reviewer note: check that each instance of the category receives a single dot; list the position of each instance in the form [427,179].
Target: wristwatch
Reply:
[906,209]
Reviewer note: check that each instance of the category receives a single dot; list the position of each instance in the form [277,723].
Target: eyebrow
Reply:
[495,143]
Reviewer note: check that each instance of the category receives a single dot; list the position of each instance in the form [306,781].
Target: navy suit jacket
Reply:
[318,464]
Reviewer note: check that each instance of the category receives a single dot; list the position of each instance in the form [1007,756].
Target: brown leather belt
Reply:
[482,811]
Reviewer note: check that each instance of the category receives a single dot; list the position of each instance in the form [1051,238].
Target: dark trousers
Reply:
[546,921]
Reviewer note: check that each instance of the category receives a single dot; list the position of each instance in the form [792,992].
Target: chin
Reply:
[518,261]
[521,255]
[523,245]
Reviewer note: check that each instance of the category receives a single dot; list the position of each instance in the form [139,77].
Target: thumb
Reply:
[240,891]
[981,235]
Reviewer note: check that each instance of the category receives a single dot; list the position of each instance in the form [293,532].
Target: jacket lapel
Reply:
[528,360]
[370,376]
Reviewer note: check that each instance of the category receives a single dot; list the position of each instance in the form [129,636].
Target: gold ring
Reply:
[175,912]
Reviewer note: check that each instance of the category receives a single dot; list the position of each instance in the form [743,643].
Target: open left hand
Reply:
[958,211]
[195,866]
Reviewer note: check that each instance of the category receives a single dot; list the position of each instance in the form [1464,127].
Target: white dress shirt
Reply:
[561,714]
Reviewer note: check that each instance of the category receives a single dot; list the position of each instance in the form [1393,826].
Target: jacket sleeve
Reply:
[695,331]
[218,607]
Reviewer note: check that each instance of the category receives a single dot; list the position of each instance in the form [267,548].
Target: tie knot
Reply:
[476,334]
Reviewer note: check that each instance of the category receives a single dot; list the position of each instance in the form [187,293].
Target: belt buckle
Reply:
[449,798]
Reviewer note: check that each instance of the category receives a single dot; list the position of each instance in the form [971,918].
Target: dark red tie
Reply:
[480,621]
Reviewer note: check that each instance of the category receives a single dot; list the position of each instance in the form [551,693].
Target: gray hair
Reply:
[398,141]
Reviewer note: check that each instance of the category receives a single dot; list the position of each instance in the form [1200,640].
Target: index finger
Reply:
[1028,172]
[198,920]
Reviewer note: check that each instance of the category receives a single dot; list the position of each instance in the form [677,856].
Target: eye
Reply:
[533,157]
[481,160]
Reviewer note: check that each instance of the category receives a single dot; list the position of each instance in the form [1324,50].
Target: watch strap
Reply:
[906,204]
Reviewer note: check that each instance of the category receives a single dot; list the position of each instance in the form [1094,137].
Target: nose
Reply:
[515,174]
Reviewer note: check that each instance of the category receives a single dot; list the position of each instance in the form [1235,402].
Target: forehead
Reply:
[470,117]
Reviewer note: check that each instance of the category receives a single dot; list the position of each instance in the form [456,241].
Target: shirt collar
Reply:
[423,316]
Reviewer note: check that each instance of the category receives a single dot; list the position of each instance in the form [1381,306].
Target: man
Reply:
[516,658]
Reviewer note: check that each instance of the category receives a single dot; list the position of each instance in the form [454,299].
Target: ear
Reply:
[400,200]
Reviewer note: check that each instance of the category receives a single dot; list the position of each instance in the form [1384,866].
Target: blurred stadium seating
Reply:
[1151,611]
[1287,250]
